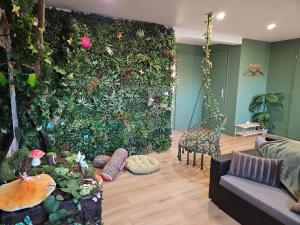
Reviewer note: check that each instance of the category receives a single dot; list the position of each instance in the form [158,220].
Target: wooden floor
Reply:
[176,195]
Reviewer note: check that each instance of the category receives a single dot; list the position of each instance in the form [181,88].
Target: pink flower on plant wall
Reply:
[85,42]
[104,117]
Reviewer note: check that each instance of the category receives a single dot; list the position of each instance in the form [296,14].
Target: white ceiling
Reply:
[244,18]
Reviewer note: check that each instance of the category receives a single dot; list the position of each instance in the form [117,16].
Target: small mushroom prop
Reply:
[36,156]
[25,192]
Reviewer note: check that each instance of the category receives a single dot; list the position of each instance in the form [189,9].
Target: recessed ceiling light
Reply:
[271,26]
[220,15]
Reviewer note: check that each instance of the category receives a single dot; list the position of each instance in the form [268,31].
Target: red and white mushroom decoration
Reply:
[36,155]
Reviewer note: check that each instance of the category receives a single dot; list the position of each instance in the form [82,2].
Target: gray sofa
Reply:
[274,201]
[249,202]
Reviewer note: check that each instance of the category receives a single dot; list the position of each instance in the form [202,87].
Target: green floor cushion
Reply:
[141,164]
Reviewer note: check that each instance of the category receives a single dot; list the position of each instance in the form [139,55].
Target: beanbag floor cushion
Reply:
[114,165]
[141,164]
[101,160]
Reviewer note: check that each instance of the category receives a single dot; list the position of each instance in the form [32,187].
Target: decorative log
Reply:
[115,165]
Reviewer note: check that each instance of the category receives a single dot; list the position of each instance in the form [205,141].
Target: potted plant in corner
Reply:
[261,106]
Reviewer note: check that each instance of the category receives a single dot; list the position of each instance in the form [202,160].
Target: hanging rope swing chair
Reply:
[204,137]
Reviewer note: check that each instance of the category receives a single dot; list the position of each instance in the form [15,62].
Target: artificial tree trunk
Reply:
[5,42]
[40,41]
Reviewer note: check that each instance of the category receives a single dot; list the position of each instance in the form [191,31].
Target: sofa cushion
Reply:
[266,171]
[274,201]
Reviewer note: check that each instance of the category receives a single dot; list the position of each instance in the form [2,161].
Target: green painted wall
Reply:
[232,88]
[281,74]
[232,59]
[240,89]
[294,119]
[188,74]
[252,52]
[282,68]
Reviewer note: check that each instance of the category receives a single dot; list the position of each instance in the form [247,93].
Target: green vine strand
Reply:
[211,106]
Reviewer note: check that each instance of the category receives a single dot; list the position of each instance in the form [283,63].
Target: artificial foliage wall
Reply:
[109,86]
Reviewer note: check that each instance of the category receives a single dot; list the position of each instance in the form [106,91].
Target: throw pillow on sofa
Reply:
[262,170]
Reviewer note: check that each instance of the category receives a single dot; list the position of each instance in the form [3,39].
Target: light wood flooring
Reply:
[176,195]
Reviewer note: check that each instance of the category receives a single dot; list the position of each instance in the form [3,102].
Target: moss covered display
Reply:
[104,84]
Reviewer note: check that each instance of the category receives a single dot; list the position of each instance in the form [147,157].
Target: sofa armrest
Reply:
[219,166]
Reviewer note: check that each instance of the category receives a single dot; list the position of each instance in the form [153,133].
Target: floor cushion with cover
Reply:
[141,164]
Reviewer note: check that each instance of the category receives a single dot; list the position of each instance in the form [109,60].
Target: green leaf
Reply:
[48,61]
[31,80]
[270,98]
[59,214]
[70,220]
[3,79]
[256,103]
[50,205]
[67,190]
[264,116]
[59,197]
[75,194]
[254,106]
[27,220]
[59,70]
[74,184]
[33,49]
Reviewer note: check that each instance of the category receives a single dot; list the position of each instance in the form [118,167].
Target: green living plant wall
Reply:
[109,86]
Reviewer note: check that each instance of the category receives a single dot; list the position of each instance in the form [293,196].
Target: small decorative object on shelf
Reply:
[247,129]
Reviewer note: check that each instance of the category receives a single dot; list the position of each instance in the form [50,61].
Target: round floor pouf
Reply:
[141,164]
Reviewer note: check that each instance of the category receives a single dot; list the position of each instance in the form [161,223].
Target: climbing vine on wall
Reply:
[105,84]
